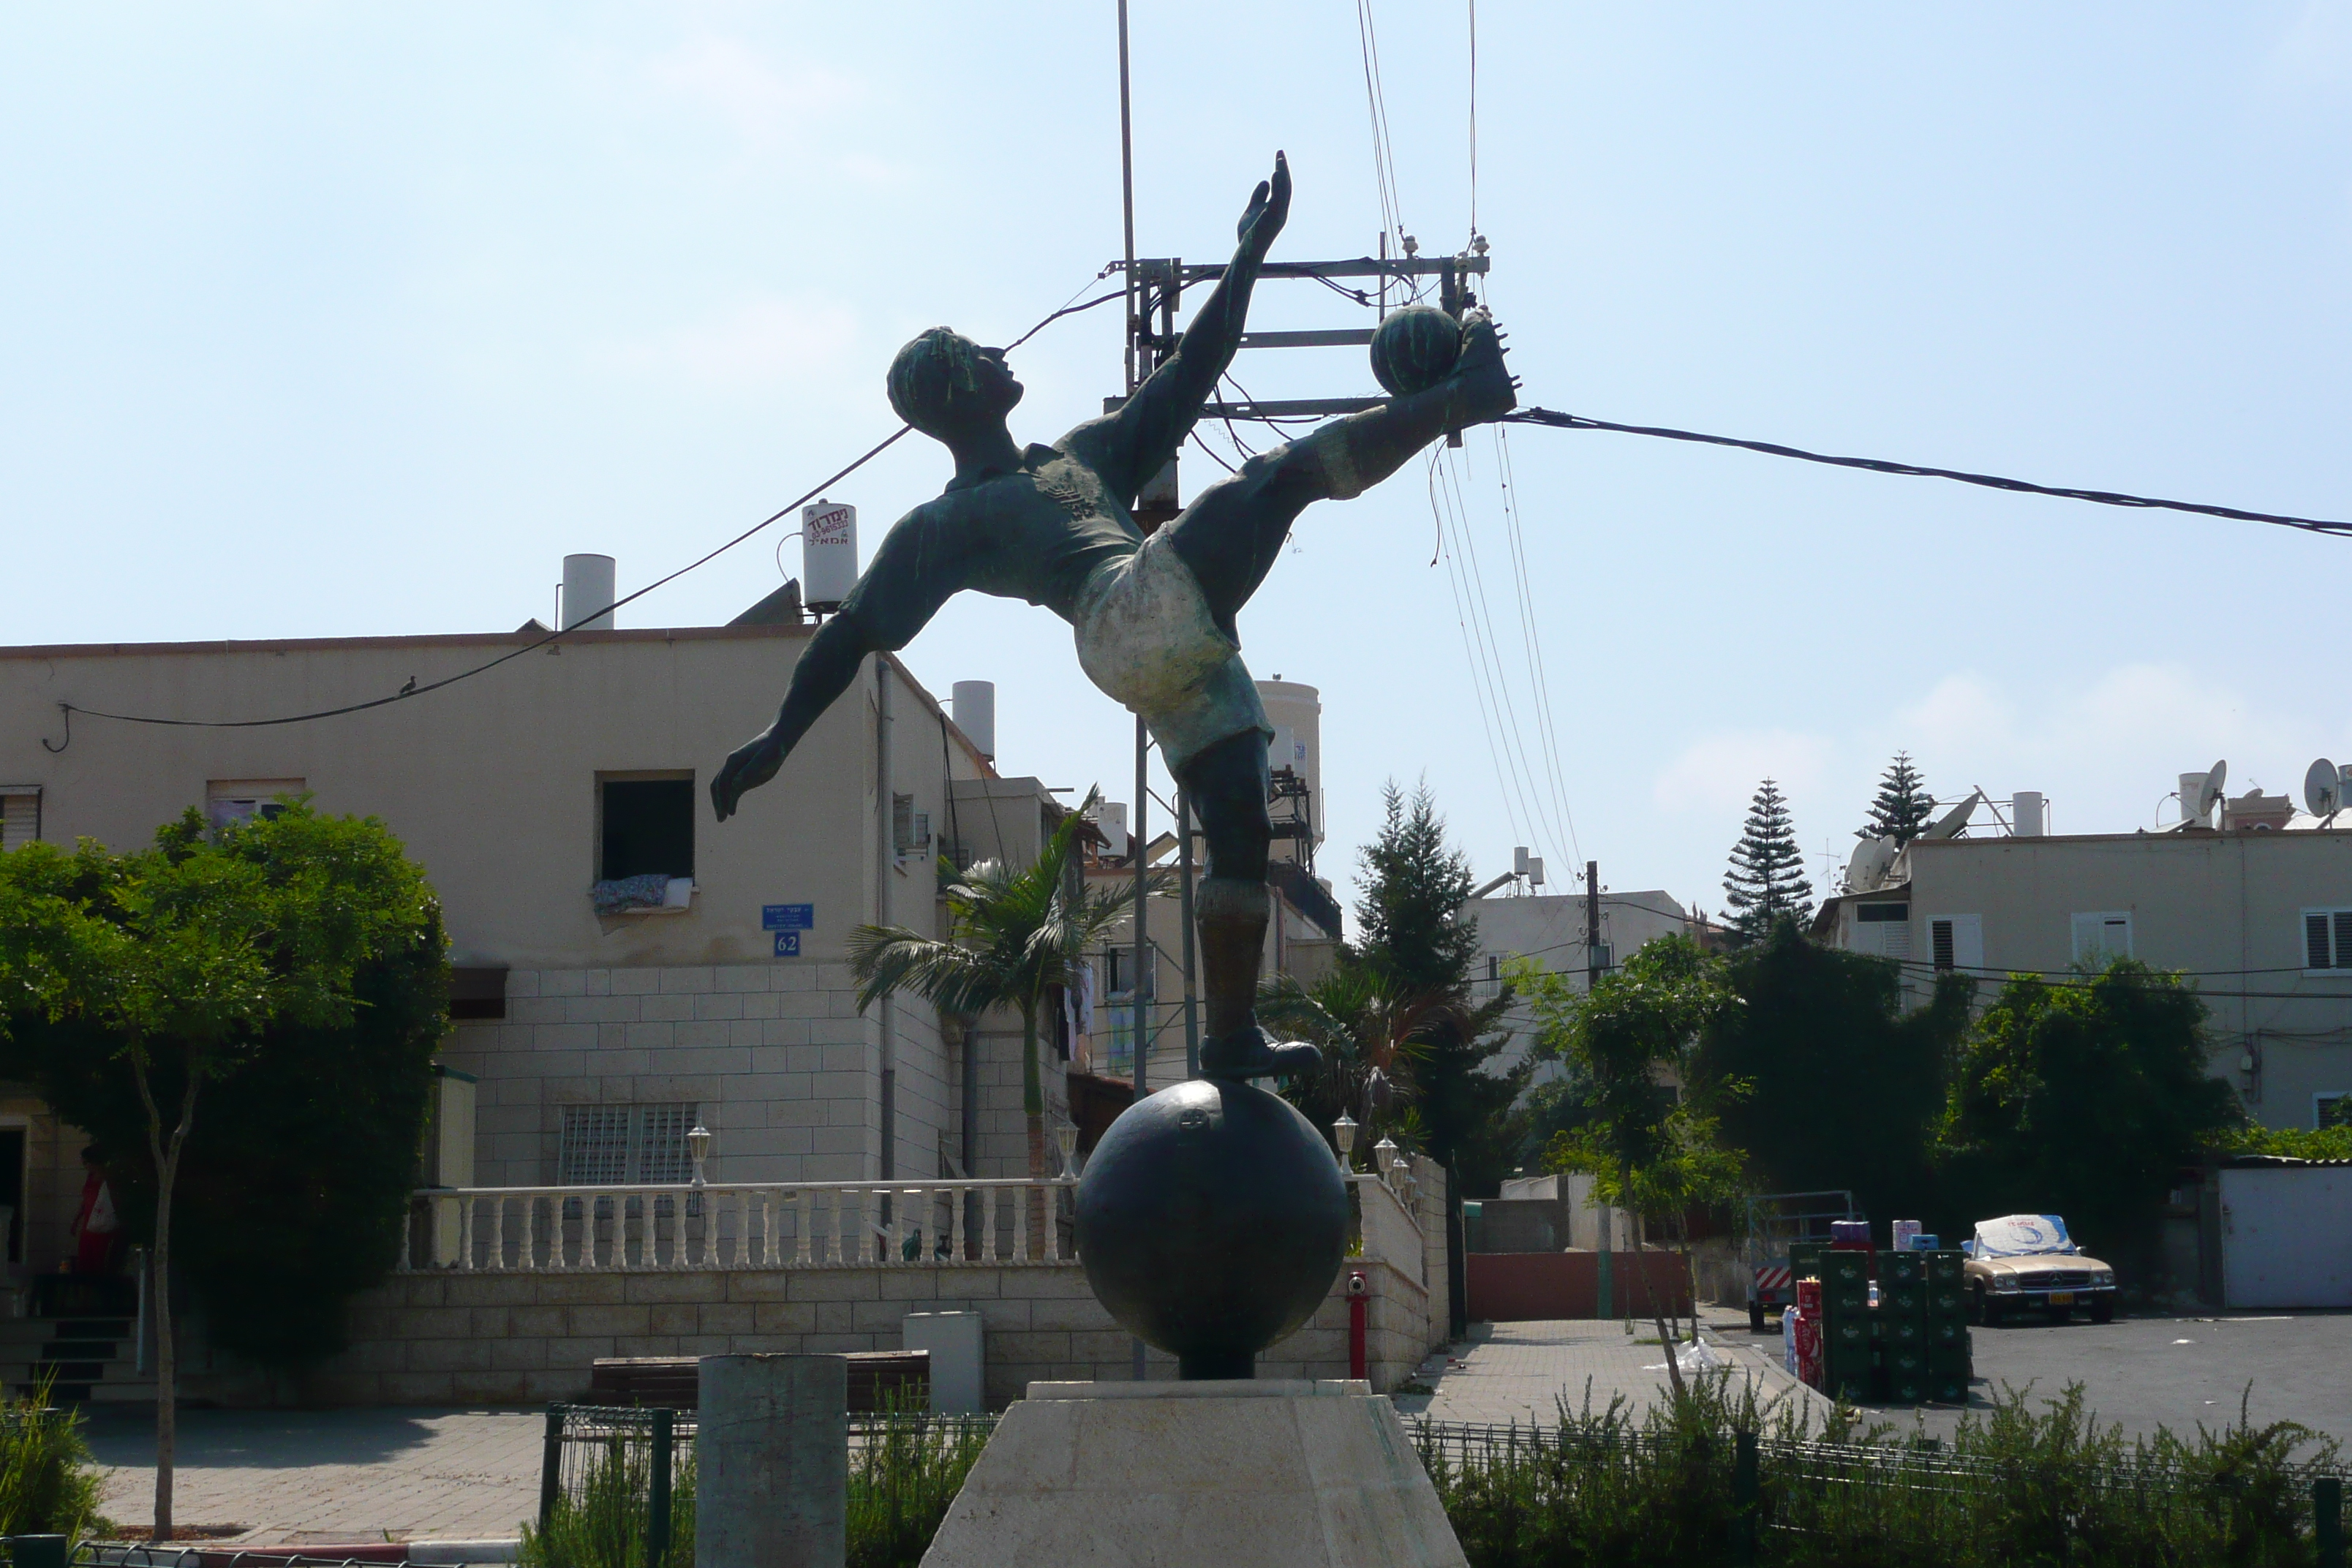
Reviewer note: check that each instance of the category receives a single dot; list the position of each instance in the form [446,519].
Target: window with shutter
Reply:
[20,815]
[2102,935]
[228,801]
[1940,938]
[2327,939]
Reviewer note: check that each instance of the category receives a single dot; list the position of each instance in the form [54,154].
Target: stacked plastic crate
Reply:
[1903,1326]
[1949,1360]
[1847,1324]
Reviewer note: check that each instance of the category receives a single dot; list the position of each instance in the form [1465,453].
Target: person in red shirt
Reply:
[96,1225]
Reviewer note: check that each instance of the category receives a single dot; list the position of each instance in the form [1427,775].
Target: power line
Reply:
[1540,813]
[1881,466]
[414,690]
[1528,625]
[1461,619]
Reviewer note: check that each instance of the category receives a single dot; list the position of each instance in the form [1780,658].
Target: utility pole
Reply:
[1184,905]
[1603,1266]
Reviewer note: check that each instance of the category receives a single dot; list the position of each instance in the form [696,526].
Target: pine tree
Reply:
[1904,805]
[1766,878]
[1413,943]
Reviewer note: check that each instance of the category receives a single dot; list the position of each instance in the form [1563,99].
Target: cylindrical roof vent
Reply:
[588,592]
[973,705]
[828,553]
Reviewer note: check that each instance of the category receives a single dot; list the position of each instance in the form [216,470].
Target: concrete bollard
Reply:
[772,1462]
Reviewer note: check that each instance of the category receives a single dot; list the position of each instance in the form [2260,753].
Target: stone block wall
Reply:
[527,1338]
[776,1057]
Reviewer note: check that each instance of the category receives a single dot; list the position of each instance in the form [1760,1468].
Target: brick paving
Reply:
[1520,1371]
[318,1475]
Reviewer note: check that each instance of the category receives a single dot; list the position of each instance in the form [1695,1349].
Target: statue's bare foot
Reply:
[1485,381]
[1247,1053]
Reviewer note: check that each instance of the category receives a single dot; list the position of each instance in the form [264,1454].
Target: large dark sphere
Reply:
[1414,349]
[1211,1221]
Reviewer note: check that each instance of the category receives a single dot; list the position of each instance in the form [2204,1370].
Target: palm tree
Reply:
[1012,936]
[1372,1033]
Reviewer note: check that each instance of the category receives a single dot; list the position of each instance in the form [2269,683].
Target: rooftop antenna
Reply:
[2323,791]
[2210,795]
[1949,825]
[1866,872]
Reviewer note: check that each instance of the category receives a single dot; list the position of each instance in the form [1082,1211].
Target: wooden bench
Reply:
[876,1378]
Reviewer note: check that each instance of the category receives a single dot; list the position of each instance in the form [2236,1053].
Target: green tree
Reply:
[2085,1097]
[1844,1088]
[1418,941]
[1374,1039]
[205,962]
[1902,808]
[1649,1145]
[1012,937]
[1767,879]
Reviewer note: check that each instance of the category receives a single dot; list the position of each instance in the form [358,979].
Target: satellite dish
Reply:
[2323,789]
[1948,825]
[1866,872]
[2210,795]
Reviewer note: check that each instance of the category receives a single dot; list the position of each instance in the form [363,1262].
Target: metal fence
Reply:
[627,1473]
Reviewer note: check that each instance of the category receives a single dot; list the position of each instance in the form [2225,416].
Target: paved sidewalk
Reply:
[321,1476]
[1520,1371]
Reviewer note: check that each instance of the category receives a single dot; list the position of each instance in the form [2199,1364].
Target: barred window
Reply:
[625,1145]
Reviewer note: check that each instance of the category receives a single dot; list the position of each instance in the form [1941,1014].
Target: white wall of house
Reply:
[495,784]
[2233,909]
[1550,930]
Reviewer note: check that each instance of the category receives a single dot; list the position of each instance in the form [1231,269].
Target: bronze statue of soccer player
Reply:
[1154,617]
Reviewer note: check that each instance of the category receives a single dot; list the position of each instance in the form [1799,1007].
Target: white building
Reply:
[599,1036]
[1553,931]
[2257,912]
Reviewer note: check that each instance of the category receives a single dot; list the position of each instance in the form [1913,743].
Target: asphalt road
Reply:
[2150,1372]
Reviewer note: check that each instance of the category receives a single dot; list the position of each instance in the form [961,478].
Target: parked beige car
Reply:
[2027,1263]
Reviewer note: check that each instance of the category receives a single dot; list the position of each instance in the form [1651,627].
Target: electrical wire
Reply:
[414,690]
[1529,623]
[1547,416]
[1483,612]
[1376,101]
[1477,685]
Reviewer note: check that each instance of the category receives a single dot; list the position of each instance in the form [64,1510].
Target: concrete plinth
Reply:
[1272,1474]
[772,1462]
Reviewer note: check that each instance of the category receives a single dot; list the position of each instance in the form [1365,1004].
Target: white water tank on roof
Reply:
[828,553]
[2026,814]
[1295,711]
[1110,815]
[588,592]
[973,705]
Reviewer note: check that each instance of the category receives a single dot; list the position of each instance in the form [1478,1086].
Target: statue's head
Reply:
[943,382]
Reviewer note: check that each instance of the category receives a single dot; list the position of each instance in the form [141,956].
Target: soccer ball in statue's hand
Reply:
[1414,349]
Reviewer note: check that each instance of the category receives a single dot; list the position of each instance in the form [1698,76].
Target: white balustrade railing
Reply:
[795,1224]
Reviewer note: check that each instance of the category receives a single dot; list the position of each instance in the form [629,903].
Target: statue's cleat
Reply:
[1246,1052]
[1488,386]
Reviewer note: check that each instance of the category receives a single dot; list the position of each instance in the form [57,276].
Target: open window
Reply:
[229,802]
[644,826]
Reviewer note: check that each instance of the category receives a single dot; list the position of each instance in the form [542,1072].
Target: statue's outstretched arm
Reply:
[912,575]
[1145,433]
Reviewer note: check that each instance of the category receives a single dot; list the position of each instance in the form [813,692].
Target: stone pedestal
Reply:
[772,1462]
[1272,1474]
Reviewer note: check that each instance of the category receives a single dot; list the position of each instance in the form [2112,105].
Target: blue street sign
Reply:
[788,944]
[787,917]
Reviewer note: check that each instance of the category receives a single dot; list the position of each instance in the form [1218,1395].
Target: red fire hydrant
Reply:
[1359,1294]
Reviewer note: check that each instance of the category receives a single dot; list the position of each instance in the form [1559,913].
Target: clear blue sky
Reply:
[328,320]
